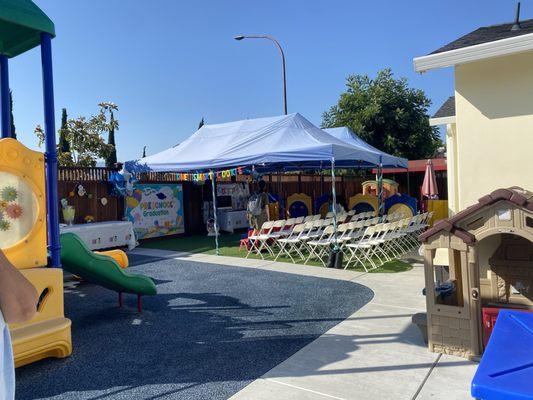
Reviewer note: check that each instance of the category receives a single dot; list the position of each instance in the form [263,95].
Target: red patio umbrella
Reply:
[429,186]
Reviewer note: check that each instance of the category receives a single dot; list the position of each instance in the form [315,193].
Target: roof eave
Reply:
[497,48]
[442,120]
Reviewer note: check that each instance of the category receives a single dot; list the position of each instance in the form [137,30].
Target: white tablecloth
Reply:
[103,235]
[228,220]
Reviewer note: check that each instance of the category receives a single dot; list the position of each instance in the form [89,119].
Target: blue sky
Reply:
[168,63]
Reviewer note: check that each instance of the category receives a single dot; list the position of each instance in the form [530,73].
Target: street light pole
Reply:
[276,43]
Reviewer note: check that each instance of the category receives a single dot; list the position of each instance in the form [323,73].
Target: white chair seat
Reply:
[356,245]
[320,242]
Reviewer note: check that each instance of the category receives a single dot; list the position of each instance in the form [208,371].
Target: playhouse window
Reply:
[448,280]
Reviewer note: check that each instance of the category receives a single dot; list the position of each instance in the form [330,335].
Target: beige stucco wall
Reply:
[494,132]
[451,162]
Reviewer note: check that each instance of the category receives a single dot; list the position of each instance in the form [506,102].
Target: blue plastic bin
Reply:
[506,368]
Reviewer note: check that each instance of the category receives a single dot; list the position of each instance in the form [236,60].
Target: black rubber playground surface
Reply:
[210,331]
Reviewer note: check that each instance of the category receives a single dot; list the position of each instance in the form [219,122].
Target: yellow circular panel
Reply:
[19,209]
[401,208]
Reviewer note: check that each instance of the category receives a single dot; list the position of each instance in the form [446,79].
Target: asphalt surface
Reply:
[209,332]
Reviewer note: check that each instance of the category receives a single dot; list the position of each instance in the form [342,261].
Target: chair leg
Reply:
[120,299]
[139,303]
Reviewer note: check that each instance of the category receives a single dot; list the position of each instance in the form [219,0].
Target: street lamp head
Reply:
[239,37]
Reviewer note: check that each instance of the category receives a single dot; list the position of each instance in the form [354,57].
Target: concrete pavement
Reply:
[376,353]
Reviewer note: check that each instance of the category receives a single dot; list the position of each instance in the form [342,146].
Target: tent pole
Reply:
[213,178]
[334,207]
[381,205]
[321,180]
[4,97]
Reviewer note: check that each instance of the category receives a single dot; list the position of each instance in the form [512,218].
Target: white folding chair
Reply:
[285,230]
[319,247]
[391,239]
[309,218]
[312,232]
[360,250]
[268,240]
[345,235]
[290,244]
[254,239]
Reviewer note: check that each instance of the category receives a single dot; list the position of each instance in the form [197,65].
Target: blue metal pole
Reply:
[4,97]
[334,201]
[54,246]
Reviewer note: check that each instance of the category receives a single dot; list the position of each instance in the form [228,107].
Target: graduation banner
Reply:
[156,210]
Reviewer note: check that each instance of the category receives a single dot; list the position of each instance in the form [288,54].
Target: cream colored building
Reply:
[489,121]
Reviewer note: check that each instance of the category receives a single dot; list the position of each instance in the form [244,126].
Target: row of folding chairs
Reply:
[377,244]
[273,230]
[365,242]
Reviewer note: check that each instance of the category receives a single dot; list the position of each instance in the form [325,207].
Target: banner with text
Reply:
[156,210]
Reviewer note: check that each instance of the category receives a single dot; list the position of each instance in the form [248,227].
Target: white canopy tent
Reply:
[284,142]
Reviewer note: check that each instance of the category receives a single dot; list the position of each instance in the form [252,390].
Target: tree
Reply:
[111,158]
[13,128]
[86,142]
[386,113]
[64,144]
[144,152]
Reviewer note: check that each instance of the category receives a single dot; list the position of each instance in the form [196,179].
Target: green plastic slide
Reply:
[100,269]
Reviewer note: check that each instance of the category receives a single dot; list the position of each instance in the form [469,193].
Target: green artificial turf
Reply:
[229,246]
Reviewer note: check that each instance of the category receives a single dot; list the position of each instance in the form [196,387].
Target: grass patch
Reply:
[229,246]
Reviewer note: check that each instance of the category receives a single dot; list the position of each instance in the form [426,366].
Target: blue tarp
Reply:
[284,142]
[348,136]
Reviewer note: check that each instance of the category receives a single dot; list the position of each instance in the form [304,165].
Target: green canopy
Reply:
[21,23]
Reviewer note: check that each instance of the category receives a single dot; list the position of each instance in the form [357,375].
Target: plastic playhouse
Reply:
[477,263]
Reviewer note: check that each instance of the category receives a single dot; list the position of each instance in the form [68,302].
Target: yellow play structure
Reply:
[393,200]
[23,240]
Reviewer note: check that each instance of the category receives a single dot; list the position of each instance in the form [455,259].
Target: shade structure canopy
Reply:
[350,137]
[21,25]
[283,142]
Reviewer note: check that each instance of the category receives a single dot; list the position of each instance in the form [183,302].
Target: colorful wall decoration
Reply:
[22,205]
[156,210]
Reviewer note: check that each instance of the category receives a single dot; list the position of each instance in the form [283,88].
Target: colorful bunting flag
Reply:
[205,176]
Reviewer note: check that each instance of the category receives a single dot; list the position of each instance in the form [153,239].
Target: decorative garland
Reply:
[207,175]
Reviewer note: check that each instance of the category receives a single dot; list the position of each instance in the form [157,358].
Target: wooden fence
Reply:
[84,174]
[95,182]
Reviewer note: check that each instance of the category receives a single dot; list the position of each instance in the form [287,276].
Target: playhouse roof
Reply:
[514,195]
[21,24]
[282,142]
